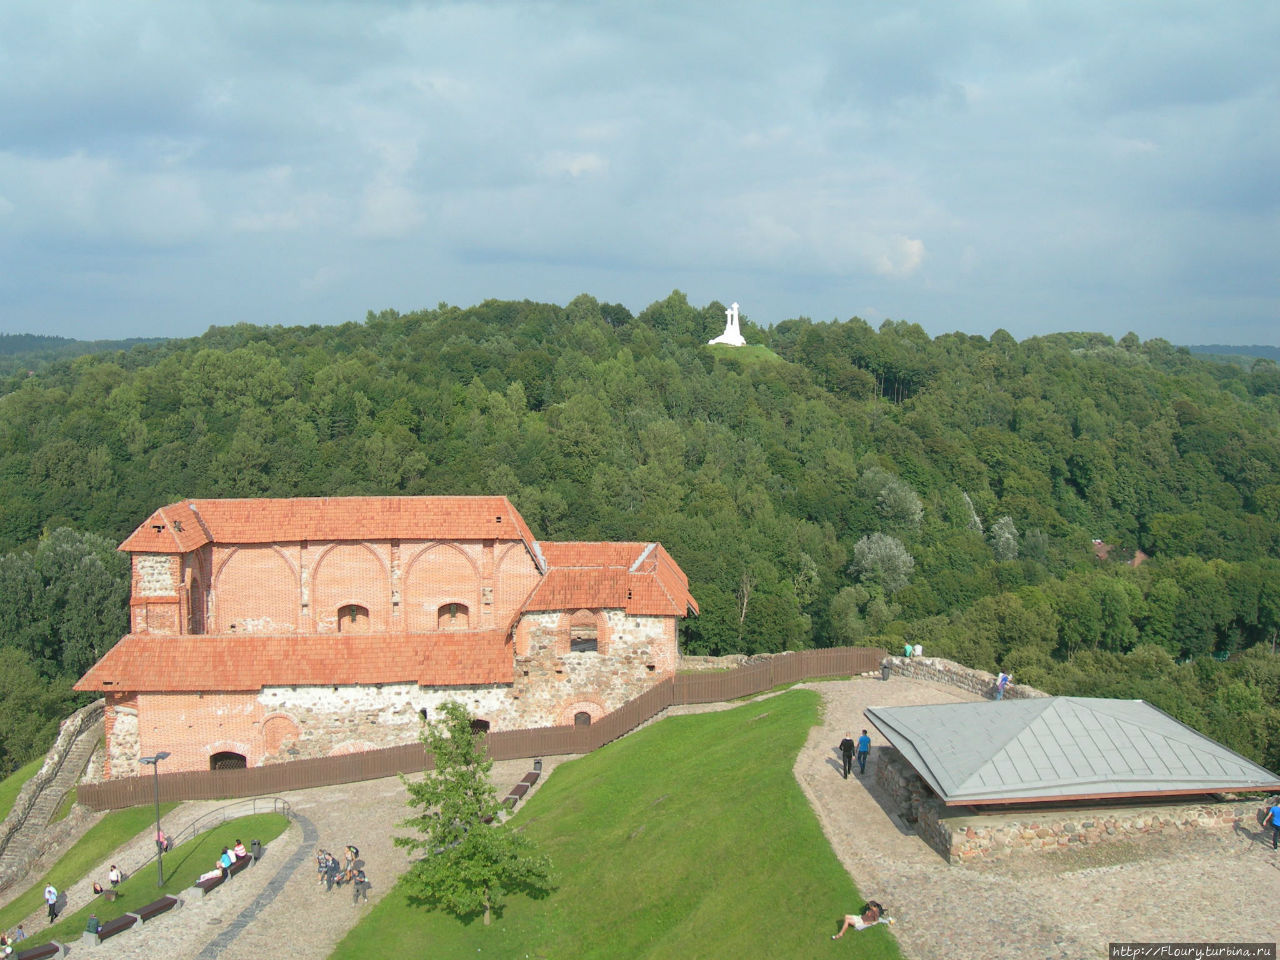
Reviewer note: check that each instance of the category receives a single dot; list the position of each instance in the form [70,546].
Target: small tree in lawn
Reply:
[468,865]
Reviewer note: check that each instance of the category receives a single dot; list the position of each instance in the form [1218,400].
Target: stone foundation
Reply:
[972,837]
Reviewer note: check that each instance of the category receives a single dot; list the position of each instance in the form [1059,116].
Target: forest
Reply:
[832,483]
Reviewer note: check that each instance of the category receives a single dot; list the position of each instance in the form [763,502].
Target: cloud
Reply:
[985,164]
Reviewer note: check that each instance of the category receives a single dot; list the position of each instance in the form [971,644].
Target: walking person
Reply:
[114,876]
[1002,681]
[1273,816]
[864,748]
[359,886]
[846,752]
[51,898]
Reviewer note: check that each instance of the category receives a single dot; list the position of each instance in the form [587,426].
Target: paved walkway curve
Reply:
[310,837]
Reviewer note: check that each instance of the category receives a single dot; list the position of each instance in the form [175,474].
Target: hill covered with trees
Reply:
[844,485]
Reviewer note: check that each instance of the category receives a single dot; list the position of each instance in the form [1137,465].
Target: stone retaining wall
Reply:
[954,675]
[976,837]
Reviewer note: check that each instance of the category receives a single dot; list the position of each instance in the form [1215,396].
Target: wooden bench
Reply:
[239,864]
[518,791]
[51,949]
[110,929]
[155,908]
[531,777]
[208,885]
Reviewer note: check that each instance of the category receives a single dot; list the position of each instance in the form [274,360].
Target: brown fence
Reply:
[502,744]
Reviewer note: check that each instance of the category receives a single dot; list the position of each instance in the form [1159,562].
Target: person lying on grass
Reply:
[872,914]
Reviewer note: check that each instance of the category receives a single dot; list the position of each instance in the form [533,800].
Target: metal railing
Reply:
[230,811]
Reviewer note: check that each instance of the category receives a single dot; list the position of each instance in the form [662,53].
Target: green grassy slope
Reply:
[112,831]
[12,784]
[182,867]
[690,838]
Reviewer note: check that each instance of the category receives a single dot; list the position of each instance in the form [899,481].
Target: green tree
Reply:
[1004,539]
[882,560]
[469,863]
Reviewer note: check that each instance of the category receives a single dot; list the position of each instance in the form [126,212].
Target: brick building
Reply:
[268,630]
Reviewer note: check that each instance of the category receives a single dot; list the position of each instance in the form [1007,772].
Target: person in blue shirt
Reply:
[224,862]
[1273,815]
[864,747]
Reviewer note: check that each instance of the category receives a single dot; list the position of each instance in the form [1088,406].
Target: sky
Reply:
[1035,167]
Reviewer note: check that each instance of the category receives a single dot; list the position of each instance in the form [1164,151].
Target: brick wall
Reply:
[300,587]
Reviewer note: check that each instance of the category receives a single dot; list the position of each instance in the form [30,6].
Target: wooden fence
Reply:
[275,778]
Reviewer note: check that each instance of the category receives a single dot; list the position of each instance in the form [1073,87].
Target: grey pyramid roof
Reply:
[1059,748]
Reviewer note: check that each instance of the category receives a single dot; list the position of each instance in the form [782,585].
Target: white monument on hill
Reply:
[732,335]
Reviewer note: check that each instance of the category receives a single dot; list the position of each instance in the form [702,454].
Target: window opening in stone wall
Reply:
[227,761]
[582,719]
[453,616]
[353,618]
[583,634]
[479,726]
[423,714]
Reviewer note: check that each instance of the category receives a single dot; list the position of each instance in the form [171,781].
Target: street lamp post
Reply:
[154,764]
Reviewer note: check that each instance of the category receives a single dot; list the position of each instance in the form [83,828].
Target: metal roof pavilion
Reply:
[1061,748]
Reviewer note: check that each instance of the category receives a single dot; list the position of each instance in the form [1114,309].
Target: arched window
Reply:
[227,761]
[453,616]
[582,719]
[583,633]
[353,618]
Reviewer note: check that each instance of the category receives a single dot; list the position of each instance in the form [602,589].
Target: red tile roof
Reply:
[181,527]
[640,578]
[201,662]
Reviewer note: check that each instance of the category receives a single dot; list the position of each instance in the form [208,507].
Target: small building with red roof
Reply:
[268,630]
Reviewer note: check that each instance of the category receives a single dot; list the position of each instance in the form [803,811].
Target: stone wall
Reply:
[910,798]
[977,682]
[970,837]
[552,684]
[962,836]
[80,722]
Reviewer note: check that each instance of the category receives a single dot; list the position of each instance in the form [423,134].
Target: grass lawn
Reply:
[106,835]
[689,838]
[182,866]
[748,355]
[11,784]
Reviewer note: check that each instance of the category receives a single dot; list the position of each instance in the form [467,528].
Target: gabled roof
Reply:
[1061,748]
[227,662]
[182,527]
[640,578]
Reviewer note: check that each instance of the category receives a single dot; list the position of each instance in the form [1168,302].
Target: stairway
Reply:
[29,841]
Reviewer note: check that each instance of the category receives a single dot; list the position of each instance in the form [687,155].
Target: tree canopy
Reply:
[469,858]
[994,465]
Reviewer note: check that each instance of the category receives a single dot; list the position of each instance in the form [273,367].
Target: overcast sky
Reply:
[1036,166]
